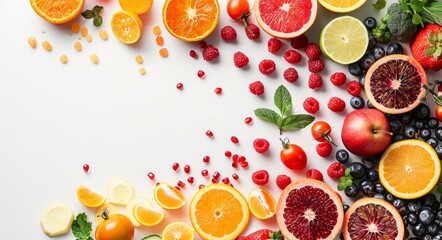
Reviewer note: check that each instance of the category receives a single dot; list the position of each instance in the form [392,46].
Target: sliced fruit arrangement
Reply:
[168,196]
[262,204]
[341,6]
[178,231]
[57,219]
[119,190]
[57,11]
[219,211]
[372,218]
[89,198]
[126,26]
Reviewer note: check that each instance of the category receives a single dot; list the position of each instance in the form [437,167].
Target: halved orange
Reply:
[191,20]
[58,11]
[89,198]
[177,231]
[168,196]
[409,169]
[126,26]
[342,6]
[262,204]
[219,211]
[148,215]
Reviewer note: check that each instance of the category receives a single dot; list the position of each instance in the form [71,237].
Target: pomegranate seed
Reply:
[218,90]
[86,168]
[175,166]
[235,158]
[244,164]
[181,184]
[151,175]
[248,120]
[178,188]
[228,153]
[226,180]
[235,176]
[216,174]
[187,169]
[242,159]
[214,180]
[206,159]
[179,86]
[205,173]
[209,134]
[193,54]
[234,140]
[190,180]
[201,74]
[200,186]
[234,164]
[202,44]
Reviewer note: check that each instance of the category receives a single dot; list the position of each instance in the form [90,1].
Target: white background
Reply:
[55,117]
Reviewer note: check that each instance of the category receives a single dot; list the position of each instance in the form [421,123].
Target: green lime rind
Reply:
[152,237]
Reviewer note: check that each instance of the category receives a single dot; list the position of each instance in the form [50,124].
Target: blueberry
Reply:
[439,214]
[370,23]
[380,189]
[433,142]
[427,216]
[369,104]
[373,175]
[355,69]
[412,219]
[361,80]
[367,187]
[438,150]
[422,112]
[429,199]
[357,170]
[398,137]
[342,156]
[438,133]
[368,163]
[395,126]
[346,207]
[394,48]
[414,206]
[378,52]
[432,123]
[425,133]
[352,191]
[389,197]
[357,102]
[410,131]
[405,118]
[427,237]
[372,42]
[435,206]
[433,229]
[366,61]
[398,203]
[419,124]
[379,196]
[419,230]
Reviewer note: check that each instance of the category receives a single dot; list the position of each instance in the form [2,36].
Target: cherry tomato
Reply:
[438,113]
[238,9]
[115,227]
[321,131]
[293,156]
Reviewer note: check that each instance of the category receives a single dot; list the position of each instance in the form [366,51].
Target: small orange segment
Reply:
[89,198]
[147,215]
[136,6]
[177,231]
[262,204]
[57,11]
[126,26]
[168,197]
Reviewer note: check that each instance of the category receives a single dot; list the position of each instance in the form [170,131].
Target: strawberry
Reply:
[262,234]
[426,47]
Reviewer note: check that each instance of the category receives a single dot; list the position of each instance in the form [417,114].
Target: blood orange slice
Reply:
[372,218]
[285,19]
[309,209]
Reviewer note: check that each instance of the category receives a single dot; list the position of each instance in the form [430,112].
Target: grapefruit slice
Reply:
[285,19]
[394,84]
[309,209]
[373,218]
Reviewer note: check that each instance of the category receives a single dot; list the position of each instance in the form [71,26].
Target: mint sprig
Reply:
[95,14]
[285,121]
[346,180]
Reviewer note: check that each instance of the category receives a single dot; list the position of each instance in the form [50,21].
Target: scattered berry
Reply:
[292,56]
[150,175]
[216,175]
[324,149]
[201,74]
[256,88]
[200,186]
[248,120]
[338,78]
[315,81]
[261,145]
[86,168]
[240,59]
[226,180]
[252,31]
[228,153]
[315,66]
[235,176]
[260,177]
[175,166]
[335,170]
[267,66]
[186,168]
[244,164]
[190,180]
[202,44]
[354,88]
[218,90]
[273,45]
[209,134]
[179,86]
[234,139]
[282,181]
[210,53]
[313,51]
[205,173]
[299,42]
[291,75]
[311,105]
[336,104]
[215,180]
[314,174]
[180,184]
[193,54]
[206,159]
[228,33]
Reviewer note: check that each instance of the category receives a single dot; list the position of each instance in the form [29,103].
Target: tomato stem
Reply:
[326,137]
[285,142]
[431,90]
[105,214]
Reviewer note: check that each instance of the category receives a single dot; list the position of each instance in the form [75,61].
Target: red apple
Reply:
[366,132]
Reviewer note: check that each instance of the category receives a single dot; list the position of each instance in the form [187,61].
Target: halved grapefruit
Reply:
[285,19]
[394,84]
[309,209]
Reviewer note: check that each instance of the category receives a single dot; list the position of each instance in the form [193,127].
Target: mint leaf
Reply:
[95,14]
[379,4]
[416,19]
[88,14]
[297,121]
[283,99]
[268,115]
[417,5]
[97,10]
[341,186]
[81,227]
[98,20]
[347,172]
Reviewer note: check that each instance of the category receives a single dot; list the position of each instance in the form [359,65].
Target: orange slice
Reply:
[409,169]
[136,6]
[219,211]
[341,6]
[168,197]
[133,202]
[262,204]
[89,198]
[191,20]
[178,231]
[111,209]
[126,26]
[57,11]
[147,215]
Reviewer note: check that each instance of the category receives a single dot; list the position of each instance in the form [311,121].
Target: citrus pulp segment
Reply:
[57,219]
[344,39]
[130,207]
[219,211]
[342,6]
[58,11]
[285,19]
[168,196]
[191,20]
[126,26]
[261,204]
[119,190]
[136,6]
[148,215]
[178,231]
[89,198]
[409,169]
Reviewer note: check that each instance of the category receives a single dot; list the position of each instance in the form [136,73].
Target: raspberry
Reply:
[324,149]
[292,56]
[315,81]
[311,105]
[193,54]
[338,78]
[335,170]
[315,66]
[354,88]
[202,44]
[260,177]
[252,31]
[240,59]
[273,45]
[228,33]
[267,66]
[282,181]
[256,88]
[210,53]
[314,174]
[291,75]
[313,51]
[336,104]
[299,42]
[261,145]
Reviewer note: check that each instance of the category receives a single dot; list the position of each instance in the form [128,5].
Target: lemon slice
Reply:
[111,209]
[57,219]
[148,215]
[119,190]
[131,205]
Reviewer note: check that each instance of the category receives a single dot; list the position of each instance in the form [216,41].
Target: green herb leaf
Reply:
[297,121]
[98,20]
[268,115]
[95,14]
[283,99]
[417,5]
[416,19]
[380,4]
[97,10]
[347,172]
[81,227]
[404,6]
[88,14]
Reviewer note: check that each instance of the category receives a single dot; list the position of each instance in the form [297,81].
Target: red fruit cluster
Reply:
[240,59]
[261,145]
[338,78]
[354,88]
[273,45]
[283,181]
[324,149]
[210,53]
[314,174]
[336,104]
[311,105]
[267,66]
[292,56]
[291,75]
[256,88]
[299,42]
[260,177]
[335,170]
[315,81]
[228,33]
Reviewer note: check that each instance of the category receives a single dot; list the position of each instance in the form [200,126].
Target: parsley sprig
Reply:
[81,227]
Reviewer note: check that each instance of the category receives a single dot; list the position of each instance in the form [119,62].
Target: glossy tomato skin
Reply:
[438,113]
[116,227]
[237,8]
[293,157]
[319,129]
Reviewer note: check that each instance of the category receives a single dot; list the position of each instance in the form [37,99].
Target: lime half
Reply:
[344,40]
